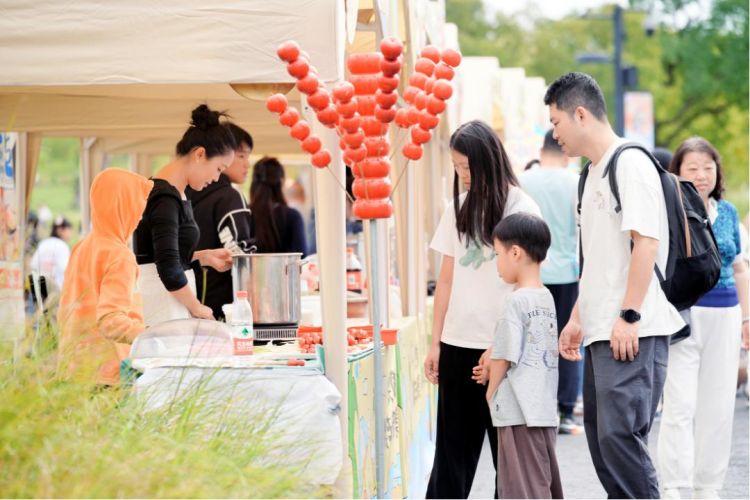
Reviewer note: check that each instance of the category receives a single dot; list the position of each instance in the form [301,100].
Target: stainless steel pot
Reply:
[272,282]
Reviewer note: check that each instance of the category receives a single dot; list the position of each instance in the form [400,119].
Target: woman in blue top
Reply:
[696,429]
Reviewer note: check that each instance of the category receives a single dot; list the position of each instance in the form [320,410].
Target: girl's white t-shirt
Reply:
[478,293]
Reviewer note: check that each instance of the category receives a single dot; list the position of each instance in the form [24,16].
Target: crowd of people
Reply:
[184,223]
[521,327]
[516,313]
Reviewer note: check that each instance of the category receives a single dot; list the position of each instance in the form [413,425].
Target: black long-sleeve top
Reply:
[219,209]
[167,235]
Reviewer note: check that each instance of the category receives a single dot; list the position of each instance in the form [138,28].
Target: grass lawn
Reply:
[61,438]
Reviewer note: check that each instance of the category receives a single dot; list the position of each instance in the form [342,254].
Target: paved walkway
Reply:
[579,478]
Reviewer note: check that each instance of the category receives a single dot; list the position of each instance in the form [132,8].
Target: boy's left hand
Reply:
[481,372]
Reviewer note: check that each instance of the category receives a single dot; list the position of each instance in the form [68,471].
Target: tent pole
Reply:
[86,178]
[378,352]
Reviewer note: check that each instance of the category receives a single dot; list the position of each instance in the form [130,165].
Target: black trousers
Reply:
[568,371]
[619,404]
[463,419]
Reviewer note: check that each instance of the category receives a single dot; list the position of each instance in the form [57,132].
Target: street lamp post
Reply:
[616,60]
[619,30]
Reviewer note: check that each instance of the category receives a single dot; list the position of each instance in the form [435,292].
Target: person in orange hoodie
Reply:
[100,312]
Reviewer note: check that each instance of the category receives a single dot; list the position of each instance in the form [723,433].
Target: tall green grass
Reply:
[60,438]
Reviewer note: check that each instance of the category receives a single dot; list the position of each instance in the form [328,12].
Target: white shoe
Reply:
[705,494]
[672,494]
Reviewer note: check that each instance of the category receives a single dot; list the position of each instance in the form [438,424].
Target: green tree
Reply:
[697,71]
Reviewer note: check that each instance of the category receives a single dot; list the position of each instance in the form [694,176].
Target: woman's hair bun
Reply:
[207,131]
[204,117]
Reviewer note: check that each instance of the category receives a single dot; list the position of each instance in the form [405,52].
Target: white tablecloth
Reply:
[304,405]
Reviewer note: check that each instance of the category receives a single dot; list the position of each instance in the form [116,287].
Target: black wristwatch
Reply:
[630,315]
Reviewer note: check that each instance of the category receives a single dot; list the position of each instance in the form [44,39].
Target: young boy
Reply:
[522,390]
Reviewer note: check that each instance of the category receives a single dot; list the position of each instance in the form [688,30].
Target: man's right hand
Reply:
[570,341]
[431,364]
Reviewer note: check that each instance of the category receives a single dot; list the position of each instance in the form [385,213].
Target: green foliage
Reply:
[697,73]
[59,438]
[57,178]
[58,175]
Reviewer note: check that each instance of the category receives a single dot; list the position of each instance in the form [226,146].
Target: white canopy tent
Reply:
[134,69]
[124,76]
[128,73]
[49,43]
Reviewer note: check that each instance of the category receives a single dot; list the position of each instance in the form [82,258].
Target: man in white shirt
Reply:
[622,314]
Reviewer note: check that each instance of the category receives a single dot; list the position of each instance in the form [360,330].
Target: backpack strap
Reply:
[683,212]
[582,184]
[611,170]
[581,187]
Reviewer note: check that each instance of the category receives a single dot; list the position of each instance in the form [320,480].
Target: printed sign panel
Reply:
[11,244]
[639,118]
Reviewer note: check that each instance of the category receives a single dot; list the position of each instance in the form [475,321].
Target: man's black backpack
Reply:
[693,264]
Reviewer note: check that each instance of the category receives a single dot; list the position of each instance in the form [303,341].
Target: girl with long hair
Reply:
[276,227]
[468,301]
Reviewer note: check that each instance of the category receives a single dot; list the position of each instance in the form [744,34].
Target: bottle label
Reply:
[243,347]
[354,280]
[242,331]
[242,339]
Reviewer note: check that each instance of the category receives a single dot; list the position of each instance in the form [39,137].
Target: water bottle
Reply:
[353,271]
[242,325]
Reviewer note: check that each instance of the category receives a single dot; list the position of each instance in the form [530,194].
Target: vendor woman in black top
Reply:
[224,221]
[165,240]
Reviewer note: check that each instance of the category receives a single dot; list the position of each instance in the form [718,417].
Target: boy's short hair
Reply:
[577,89]
[527,231]
[240,135]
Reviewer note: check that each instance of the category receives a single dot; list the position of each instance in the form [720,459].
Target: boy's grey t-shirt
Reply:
[526,335]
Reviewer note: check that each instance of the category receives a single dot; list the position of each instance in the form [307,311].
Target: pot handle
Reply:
[230,215]
[300,264]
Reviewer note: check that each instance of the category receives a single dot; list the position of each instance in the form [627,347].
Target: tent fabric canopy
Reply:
[48,42]
[155,118]
[136,69]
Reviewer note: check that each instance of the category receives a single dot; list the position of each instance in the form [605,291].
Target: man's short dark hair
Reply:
[240,135]
[527,231]
[550,144]
[577,89]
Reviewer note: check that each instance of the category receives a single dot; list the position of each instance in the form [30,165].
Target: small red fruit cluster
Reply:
[429,87]
[361,109]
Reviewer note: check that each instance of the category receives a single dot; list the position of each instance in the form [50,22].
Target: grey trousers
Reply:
[619,404]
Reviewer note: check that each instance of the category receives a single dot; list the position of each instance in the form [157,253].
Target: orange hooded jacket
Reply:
[100,313]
